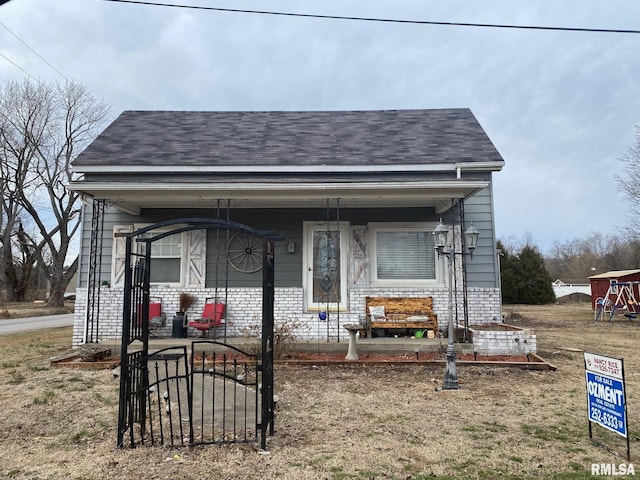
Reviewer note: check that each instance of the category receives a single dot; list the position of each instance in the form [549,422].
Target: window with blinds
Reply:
[405,255]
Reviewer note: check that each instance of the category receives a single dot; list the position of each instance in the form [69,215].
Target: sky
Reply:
[561,107]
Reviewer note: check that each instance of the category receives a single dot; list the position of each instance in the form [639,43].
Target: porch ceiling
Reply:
[133,197]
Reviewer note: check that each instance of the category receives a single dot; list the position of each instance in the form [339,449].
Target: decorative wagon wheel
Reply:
[245,252]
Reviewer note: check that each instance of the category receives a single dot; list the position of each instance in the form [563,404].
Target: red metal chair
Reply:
[155,312]
[156,319]
[212,317]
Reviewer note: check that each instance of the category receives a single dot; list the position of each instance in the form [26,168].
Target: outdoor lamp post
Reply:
[440,235]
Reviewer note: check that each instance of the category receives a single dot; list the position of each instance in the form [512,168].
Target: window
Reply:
[166,259]
[402,253]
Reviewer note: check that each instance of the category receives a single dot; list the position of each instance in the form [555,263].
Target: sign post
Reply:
[606,398]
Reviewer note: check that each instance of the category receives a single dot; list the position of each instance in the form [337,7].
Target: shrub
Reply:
[284,335]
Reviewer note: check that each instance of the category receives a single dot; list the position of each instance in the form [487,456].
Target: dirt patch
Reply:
[342,421]
[574,298]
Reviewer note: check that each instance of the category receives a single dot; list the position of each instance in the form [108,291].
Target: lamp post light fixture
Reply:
[440,235]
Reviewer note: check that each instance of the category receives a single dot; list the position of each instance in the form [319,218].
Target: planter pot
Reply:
[179,328]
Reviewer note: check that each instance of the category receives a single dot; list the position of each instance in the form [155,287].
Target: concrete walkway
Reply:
[381,345]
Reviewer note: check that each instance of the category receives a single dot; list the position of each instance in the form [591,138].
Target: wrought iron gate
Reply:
[201,398]
[180,397]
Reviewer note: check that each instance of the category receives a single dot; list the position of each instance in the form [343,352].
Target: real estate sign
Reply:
[605,392]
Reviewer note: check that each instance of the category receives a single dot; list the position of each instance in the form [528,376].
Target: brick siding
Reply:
[244,309]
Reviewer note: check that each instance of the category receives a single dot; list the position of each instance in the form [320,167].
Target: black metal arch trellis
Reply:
[136,414]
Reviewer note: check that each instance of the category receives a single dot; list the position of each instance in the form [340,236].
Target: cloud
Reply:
[560,107]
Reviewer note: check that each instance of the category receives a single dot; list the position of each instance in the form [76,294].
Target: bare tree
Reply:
[16,154]
[514,243]
[43,128]
[629,185]
[576,260]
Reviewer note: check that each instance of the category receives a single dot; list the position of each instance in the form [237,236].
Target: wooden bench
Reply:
[402,313]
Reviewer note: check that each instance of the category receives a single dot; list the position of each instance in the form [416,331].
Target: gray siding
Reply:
[481,269]
[112,217]
[289,224]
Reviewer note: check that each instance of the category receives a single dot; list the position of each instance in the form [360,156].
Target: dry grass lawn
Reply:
[340,422]
[32,309]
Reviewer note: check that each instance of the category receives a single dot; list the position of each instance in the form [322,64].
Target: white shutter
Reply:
[196,257]
[118,254]
[359,259]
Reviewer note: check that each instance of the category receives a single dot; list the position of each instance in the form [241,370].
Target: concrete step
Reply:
[382,345]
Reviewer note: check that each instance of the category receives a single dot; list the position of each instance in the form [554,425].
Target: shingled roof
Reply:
[328,138]
[283,159]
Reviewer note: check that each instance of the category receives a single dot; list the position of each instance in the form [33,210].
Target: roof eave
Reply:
[132,197]
[325,168]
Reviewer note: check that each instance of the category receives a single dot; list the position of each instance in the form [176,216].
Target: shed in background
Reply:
[600,283]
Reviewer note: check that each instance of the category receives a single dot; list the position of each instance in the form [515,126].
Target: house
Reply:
[353,193]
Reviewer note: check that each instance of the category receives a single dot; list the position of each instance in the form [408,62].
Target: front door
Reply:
[325,265]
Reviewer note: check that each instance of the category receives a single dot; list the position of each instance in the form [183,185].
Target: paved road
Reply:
[14,325]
